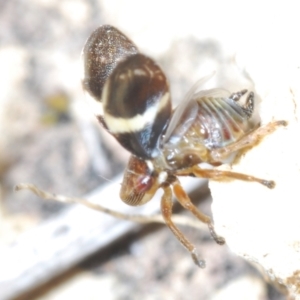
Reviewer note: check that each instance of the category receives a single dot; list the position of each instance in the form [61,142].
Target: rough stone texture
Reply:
[262,225]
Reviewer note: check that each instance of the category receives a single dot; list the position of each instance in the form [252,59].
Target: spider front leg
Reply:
[186,202]
[249,140]
[166,209]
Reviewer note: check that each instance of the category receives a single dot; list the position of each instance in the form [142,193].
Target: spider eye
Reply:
[144,183]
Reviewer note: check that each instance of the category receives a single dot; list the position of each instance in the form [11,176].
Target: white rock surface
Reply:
[259,224]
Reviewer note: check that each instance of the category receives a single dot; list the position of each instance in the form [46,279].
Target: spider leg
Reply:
[186,202]
[166,209]
[237,96]
[225,175]
[248,140]
[248,107]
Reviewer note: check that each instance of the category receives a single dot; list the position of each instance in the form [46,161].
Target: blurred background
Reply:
[48,136]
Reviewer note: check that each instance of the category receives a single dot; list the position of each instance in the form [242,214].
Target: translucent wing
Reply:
[186,112]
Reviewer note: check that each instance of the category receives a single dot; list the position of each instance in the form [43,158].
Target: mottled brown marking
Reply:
[293,282]
[133,192]
[103,51]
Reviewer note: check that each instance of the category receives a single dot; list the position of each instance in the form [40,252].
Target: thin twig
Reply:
[179,220]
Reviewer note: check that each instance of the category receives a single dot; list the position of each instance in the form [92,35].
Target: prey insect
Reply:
[132,101]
